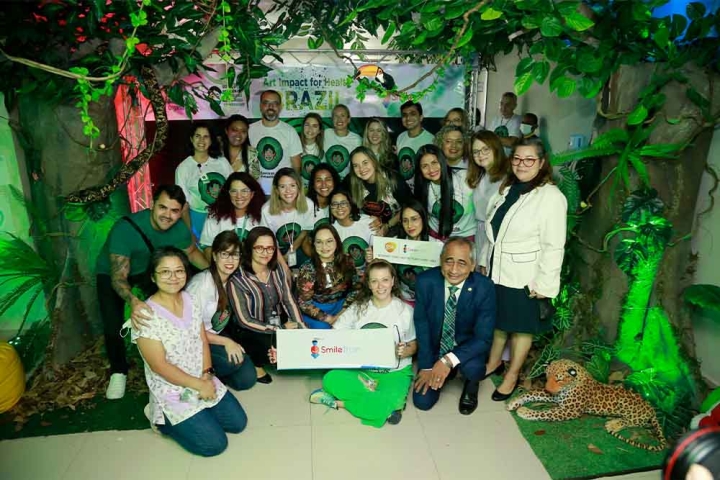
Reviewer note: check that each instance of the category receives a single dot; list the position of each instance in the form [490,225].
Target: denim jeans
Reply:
[329,308]
[237,377]
[204,433]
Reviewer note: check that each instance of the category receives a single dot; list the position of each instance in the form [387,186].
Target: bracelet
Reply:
[446,361]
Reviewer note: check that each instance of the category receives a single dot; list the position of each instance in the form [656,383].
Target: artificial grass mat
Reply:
[581,448]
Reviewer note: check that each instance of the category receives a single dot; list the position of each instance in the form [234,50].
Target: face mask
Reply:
[526,129]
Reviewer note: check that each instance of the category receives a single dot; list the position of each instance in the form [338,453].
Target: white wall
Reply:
[559,117]
[706,243]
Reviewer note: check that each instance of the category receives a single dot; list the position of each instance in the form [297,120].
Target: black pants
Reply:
[112,312]
[256,344]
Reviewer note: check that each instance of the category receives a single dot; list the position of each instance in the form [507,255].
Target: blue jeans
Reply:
[204,433]
[329,308]
[237,377]
[197,220]
[473,370]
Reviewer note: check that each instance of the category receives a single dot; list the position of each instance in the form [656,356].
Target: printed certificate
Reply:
[407,252]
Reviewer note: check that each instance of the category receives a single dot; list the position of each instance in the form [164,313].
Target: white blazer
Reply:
[530,245]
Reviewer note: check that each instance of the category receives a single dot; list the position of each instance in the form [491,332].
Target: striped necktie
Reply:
[447,340]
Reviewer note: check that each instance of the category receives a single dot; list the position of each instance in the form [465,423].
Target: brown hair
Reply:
[249,244]
[224,242]
[544,175]
[500,165]
[365,295]
[320,139]
[342,261]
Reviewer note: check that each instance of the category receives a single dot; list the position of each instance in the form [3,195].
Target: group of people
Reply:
[246,243]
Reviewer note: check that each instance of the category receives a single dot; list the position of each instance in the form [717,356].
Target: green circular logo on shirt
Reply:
[408,274]
[502,131]
[355,247]
[458,210]
[287,234]
[406,156]
[307,164]
[322,221]
[209,186]
[339,157]
[270,153]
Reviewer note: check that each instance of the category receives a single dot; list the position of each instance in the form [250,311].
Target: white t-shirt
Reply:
[356,239]
[396,314]
[507,127]
[481,196]
[310,157]
[203,291]
[320,216]
[464,222]
[201,182]
[287,226]
[338,149]
[275,146]
[407,147]
[214,227]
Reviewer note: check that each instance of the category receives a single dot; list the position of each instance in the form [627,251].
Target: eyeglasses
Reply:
[527,162]
[261,249]
[167,274]
[227,255]
[482,151]
[243,192]
[337,205]
[456,143]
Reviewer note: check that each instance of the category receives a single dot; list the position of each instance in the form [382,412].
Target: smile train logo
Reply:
[315,350]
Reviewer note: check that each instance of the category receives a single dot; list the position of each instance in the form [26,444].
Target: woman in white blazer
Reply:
[526,229]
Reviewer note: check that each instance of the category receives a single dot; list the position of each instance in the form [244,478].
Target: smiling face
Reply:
[430,168]
[240,195]
[201,140]
[363,167]
[411,118]
[412,223]
[170,275]
[227,261]
[340,207]
[237,133]
[263,250]
[452,146]
[376,133]
[288,190]
[483,155]
[325,245]
[523,156]
[270,107]
[311,129]
[340,119]
[456,264]
[323,183]
[165,212]
[381,281]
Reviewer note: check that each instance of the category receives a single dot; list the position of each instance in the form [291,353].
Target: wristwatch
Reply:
[446,361]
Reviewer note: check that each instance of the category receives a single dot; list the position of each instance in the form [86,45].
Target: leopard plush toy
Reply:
[576,392]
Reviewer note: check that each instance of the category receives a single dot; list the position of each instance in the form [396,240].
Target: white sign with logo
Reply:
[407,252]
[308,349]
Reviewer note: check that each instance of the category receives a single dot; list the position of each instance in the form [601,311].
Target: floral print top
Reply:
[309,288]
[183,346]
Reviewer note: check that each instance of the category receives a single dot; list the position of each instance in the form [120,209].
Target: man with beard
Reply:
[122,264]
[271,131]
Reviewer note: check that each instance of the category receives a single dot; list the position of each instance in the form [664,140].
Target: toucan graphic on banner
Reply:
[374,72]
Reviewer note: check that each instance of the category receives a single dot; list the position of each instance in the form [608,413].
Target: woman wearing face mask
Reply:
[237,149]
[376,190]
[311,139]
[526,228]
[261,299]
[353,228]
[209,289]
[187,402]
[327,283]
[201,176]
[377,139]
[485,174]
[446,193]
[237,208]
[374,396]
[529,125]
[289,214]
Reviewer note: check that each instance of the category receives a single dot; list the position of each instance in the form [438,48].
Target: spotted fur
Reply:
[576,392]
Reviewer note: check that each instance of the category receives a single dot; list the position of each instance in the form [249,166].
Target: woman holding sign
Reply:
[327,284]
[353,227]
[375,397]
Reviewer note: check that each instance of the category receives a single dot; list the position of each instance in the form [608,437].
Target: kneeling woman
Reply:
[209,289]
[187,402]
[326,284]
[261,298]
[374,396]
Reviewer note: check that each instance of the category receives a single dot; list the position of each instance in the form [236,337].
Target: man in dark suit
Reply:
[454,321]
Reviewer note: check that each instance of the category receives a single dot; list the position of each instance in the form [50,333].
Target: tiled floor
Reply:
[287,438]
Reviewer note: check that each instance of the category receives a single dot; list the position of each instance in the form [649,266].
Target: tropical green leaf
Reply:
[523,83]
[638,115]
[550,27]
[578,22]
[661,150]
[593,151]
[565,87]
[549,353]
[626,254]
[639,167]
[491,14]
[599,366]
[540,70]
[388,33]
[641,200]
[695,10]
[704,296]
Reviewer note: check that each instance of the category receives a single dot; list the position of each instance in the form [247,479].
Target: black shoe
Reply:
[469,398]
[501,397]
[395,417]
[498,371]
[265,379]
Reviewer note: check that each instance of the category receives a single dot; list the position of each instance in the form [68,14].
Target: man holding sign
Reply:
[454,320]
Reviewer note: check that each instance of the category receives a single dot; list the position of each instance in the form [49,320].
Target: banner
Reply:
[309,349]
[318,88]
[407,252]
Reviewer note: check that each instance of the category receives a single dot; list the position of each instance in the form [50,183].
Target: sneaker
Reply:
[116,387]
[321,397]
[395,417]
[146,411]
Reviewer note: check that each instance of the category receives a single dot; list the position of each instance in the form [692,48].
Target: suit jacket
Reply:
[474,320]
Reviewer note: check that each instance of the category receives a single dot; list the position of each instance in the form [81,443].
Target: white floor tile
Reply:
[283,403]
[45,458]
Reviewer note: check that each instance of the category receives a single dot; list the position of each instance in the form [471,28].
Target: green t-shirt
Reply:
[126,241]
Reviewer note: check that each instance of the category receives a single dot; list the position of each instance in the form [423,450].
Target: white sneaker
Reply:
[146,411]
[116,387]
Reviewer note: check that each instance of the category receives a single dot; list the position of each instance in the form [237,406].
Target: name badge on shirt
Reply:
[292,258]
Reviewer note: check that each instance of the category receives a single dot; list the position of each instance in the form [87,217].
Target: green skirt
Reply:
[372,407]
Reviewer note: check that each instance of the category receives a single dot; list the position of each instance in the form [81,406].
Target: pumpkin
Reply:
[12,377]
